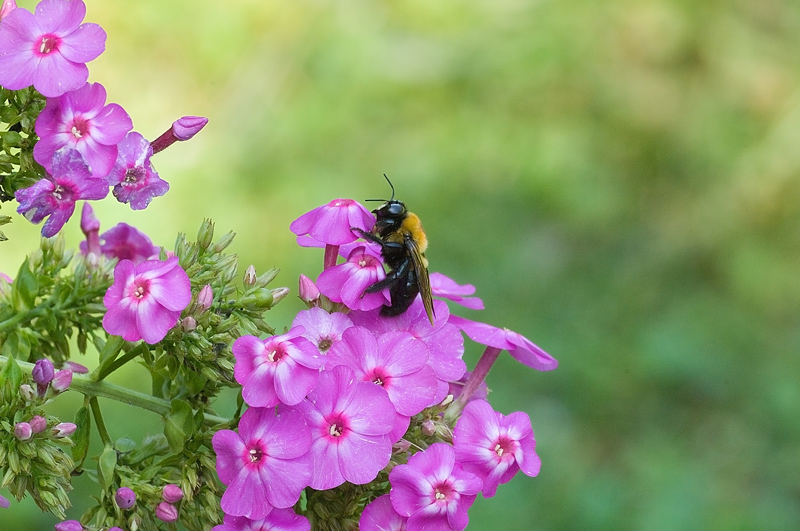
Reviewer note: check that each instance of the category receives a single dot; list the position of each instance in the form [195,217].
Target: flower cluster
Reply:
[85,145]
[350,398]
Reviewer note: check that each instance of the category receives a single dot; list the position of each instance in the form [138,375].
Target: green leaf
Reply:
[83,420]
[24,288]
[178,424]
[106,465]
[11,375]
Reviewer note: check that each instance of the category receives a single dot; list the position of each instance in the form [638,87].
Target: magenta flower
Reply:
[276,520]
[265,465]
[56,194]
[395,361]
[323,329]
[520,348]
[494,446]
[447,288]
[146,300]
[124,242]
[81,120]
[134,180]
[379,515]
[331,223]
[346,282]
[49,48]
[433,490]
[279,369]
[350,422]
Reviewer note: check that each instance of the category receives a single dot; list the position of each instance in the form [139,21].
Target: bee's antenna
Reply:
[384,200]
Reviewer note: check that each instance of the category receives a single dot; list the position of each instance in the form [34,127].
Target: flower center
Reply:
[58,192]
[335,430]
[140,289]
[443,492]
[255,455]
[80,127]
[324,344]
[132,175]
[337,426]
[49,43]
[377,376]
[504,447]
[275,354]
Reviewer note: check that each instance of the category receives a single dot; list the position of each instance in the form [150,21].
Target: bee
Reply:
[403,243]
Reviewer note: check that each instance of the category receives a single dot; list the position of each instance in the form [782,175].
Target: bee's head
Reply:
[389,217]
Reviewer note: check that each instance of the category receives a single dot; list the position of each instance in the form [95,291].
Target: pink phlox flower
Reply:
[379,515]
[146,300]
[277,370]
[520,348]
[69,181]
[127,243]
[7,7]
[346,282]
[323,329]
[48,48]
[445,343]
[494,446]
[447,288]
[331,223]
[81,120]
[350,422]
[276,520]
[395,360]
[134,180]
[265,464]
[433,490]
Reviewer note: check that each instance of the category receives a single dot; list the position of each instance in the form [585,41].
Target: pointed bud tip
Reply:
[186,127]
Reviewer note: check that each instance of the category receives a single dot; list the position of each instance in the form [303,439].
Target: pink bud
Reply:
[309,292]
[188,323]
[188,126]
[64,429]
[23,431]
[62,380]
[69,525]
[125,498]
[89,222]
[75,367]
[38,424]
[43,372]
[278,294]
[428,427]
[172,493]
[166,512]
[8,7]
[205,298]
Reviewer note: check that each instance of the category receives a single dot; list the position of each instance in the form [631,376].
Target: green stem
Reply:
[98,420]
[85,385]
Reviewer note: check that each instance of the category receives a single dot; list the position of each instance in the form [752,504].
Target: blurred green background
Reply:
[618,179]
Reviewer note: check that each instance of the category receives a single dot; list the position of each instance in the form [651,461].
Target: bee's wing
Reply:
[423,280]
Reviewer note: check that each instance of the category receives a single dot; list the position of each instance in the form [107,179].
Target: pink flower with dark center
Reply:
[276,520]
[331,223]
[279,369]
[265,465]
[146,300]
[447,288]
[134,180]
[350,422]
[48,48]
[69,181]
[323,329]
[395,361]
[494,446]
[81,120]
[346,282]
[379,515]
[433,490]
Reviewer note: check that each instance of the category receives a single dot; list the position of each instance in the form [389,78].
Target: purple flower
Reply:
[55,195]
[81,120]
[520,348]
[146,300]
[433,490]
[43,371]
[133,177]
[172,493]
[125,498]
[276,520]
[279,369]
[447,288]
[166,512]
[395,361]
[124,242]
[350,422]
[346,282]
[379,515]
[69,525]
[323,329]
[7,7]
[494,446]
[331,223]
[265,465]
[48,49]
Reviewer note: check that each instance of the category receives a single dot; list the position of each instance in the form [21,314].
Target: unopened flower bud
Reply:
[27,392]
[8,7]
[172,493]
[75,367]
[205,299]
[43,372]
[62,380]
[64,429]
[186,127]
[115,528]
[69,525]
[38,424]
[125,498]
[428,427]
[205,234]
[23,431]
[90,226]
[188,323]
[250,276]
[309,293]
[260,298]
[278,294]
[166,512]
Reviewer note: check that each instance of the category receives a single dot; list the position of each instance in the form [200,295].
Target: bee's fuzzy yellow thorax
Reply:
[413,226]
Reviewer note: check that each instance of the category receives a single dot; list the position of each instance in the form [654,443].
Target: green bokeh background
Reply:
[618,179]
